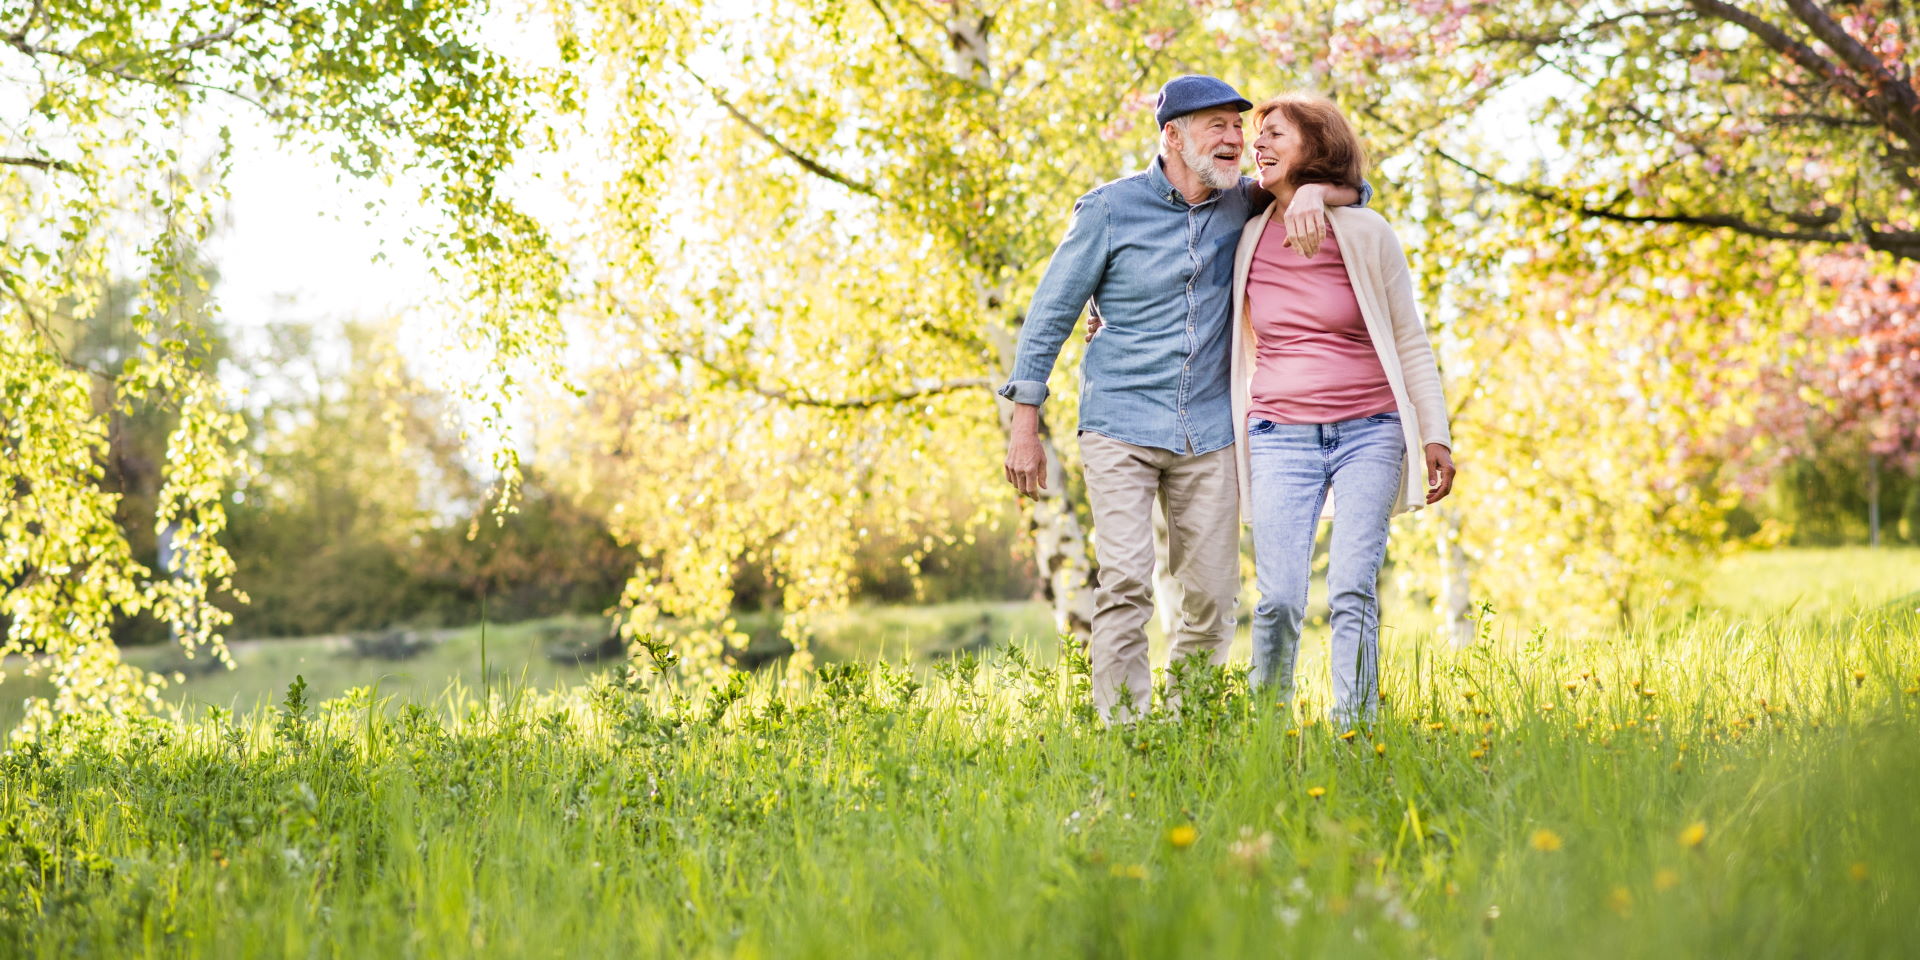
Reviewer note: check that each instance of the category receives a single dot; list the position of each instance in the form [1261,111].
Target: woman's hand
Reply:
[1439,472]
[1306,219]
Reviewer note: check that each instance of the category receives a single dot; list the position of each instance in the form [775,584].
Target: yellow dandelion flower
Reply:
[1620,901]
[1316,792]
[1436,725]
[1379,749]
[1293,731]
[1546,708]
[1349,735]
[1470,694]
[1477,754]
[1859,677]
[1573,685]
[1665,880]
[1858,871]
[1649,693]
[1694,835]
[1183,836]
[1545,841]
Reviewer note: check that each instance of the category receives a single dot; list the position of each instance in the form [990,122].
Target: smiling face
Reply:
[1303,138]
[1276,149]
[1209,142]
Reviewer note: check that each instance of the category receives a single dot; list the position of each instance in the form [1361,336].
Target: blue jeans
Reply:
[1294,466]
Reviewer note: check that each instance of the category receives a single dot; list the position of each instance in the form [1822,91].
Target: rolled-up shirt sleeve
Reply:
[1072,278]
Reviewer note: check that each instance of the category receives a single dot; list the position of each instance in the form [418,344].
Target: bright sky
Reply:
[296,244]
[299,242]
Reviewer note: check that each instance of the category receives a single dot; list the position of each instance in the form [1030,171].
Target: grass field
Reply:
[1734,783]
[1753,585]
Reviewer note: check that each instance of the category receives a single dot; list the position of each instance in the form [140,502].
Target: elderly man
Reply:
[1154,252]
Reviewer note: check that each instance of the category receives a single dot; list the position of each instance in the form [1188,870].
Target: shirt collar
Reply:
[1164,188]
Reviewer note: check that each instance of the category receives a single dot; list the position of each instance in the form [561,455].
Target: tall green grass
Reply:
[1713,786]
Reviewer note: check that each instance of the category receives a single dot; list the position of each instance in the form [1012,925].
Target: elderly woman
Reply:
[1337,401]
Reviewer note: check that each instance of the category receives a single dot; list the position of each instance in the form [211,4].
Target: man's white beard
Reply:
[1202,166]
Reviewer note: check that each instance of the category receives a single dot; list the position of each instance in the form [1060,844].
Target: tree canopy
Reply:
[118,141]
[801,252]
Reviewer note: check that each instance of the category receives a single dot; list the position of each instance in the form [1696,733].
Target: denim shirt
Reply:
[1160,272]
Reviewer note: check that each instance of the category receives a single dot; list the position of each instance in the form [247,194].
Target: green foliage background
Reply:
[797,265]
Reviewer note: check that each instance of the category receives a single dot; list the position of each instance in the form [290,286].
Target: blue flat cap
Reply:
[1193,92]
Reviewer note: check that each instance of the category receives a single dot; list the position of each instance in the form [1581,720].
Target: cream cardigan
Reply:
[1378,269]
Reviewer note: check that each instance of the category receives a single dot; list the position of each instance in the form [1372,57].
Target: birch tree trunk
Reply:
[1062,551]
[1456,603]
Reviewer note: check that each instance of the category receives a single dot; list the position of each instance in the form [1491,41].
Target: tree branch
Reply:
[901,40]
[806,163]
[1894,113]
[1718,220]
[169,81]
[1817,119]
[209,39]
[1808,59]
[936,21]
[1580,30]
[38,163]
[796,398]
[11,281]
[1863,60]
[793,396]
[1904,244]
[33,13]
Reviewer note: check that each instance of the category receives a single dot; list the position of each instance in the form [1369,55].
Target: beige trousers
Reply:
[1201,497]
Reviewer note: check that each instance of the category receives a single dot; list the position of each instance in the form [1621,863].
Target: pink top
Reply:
[1313,360]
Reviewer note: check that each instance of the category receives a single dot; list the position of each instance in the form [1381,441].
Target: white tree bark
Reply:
[1061,548]
[1456,601]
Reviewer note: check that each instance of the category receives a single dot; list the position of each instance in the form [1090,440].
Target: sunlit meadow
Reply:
[1715,785]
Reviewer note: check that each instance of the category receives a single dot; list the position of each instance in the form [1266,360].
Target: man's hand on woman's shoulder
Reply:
[1306,219]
